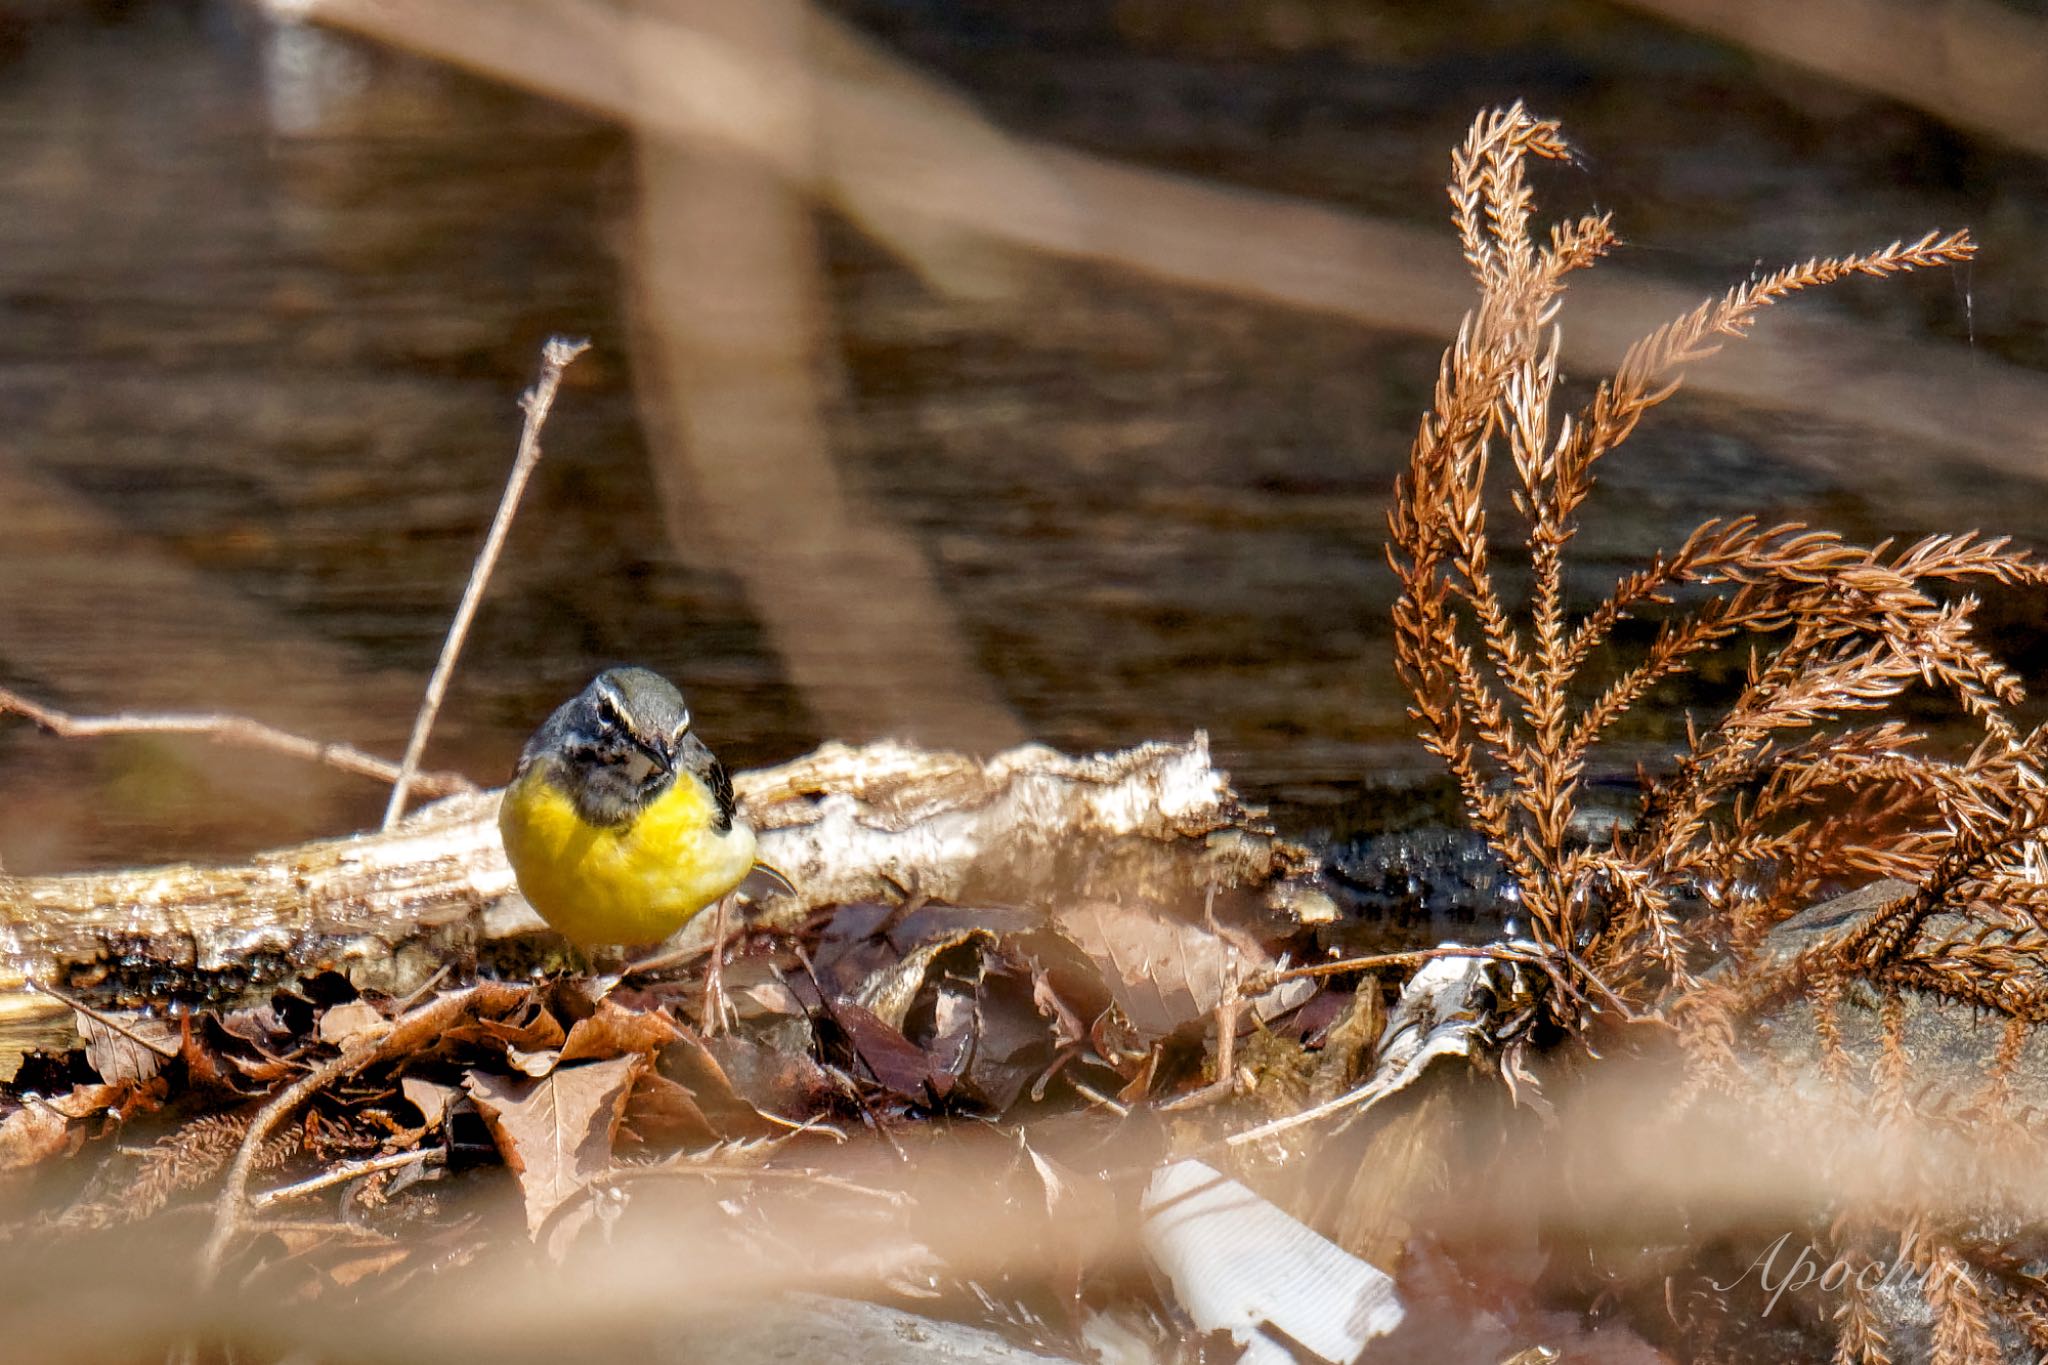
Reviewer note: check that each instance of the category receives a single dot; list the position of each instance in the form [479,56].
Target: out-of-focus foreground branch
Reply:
[728,298]
[1977,64]
[923,172]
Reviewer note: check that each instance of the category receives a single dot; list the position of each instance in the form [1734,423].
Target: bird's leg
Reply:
[714,1017]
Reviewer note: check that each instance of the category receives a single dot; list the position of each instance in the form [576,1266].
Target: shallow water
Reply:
[268,296]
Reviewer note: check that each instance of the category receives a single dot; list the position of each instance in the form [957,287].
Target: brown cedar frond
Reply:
[1892,1072]
[1970,555]
[1705,1019]
[1880,755]
[1962,1326]
[1859,1337]
[1713,542]
[1575,246]
[1490,199]
[1827,1027]
[1642,913]
[2002,992]
[2027,1311]
[1649,371]
[1789,790]
[1669,654]
[1998,1095]
[186,1159]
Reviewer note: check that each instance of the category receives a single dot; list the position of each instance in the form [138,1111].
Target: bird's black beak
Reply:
[659,759]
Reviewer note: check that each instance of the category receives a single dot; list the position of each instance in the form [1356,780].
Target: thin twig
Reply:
[1227,1012]
[163,1050]
[810,1125]
[1621,1006]
[1094,1096]
[225,729]
[232,1205]
[342,1174]
[1534,955]
[663,960]
[234,1195]
[424,989]
[1363,1095]
[1260,985]
[555,357]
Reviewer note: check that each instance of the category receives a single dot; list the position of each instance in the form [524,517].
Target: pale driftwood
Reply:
[1027,827]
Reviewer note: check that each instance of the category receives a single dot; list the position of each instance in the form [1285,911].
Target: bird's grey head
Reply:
[616,745]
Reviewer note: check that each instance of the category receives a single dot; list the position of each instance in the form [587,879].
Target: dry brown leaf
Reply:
[231,1054]
[431,1098]
[690,1062]
[85,1101]
[555,1133]
[31,1134]
[790,1085]
[615,1031]
[344,1024]
[1165,972]
[1162,972]
[770,997]
[662,1113]
[531,1029]
[887,993]
[123,1054]
[897,1064]
[469,1016]
[535,1064]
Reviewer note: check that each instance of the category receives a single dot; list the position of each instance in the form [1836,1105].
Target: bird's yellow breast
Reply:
[634,884]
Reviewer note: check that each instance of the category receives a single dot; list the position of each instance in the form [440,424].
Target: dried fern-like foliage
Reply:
[1803,783]
[1806,784]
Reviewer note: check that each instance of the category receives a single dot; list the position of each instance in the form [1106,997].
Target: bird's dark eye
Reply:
[607,708]
[682,727]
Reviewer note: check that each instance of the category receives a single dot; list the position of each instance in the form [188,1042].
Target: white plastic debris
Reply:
[1435,1017]
[1439,1014]
[1240,1263]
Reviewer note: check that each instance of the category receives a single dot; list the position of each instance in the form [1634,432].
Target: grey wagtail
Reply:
[619,823]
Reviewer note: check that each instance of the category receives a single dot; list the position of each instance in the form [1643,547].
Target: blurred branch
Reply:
[935,181]
[1976,64]
[729,297]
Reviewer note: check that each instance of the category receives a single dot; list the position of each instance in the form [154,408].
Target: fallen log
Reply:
[1029,827]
